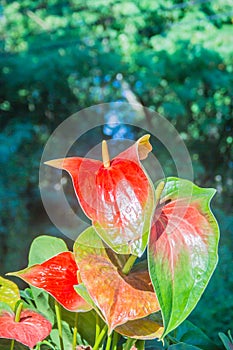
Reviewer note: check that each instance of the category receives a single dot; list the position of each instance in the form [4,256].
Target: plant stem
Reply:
[129,343]
[12,344]
[75,332]
[129,264]
[114,341]
[97,326]
[59,325]
[109,341]
[141,344]
[173,340]
[100,337]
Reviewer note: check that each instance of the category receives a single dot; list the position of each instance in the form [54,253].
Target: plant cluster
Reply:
[133,276]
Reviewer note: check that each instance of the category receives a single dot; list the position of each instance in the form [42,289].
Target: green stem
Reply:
[129,343]
[172,339]
[109,342]
[59,325]
[115,340]
[97,326]
[100,338]
[75,332]
[141,344]
[12,344]
[129,264]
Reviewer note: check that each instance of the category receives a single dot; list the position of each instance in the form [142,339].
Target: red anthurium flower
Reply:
[57,276]
[116,195]
[30,330]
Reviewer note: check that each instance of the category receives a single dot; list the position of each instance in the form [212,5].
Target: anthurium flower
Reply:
[57,276]
[116,195]
[182,248]
[30,330]
[120,298]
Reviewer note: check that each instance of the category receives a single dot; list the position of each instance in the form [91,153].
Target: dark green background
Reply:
[58,57]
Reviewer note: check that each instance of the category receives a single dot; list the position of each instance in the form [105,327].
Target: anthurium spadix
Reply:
[182,250]
[116,195]
[57,276]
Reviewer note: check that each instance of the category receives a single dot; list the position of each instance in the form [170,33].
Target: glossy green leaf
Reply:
[9,292]
[67,335]
[86,325]
[118,198]
[120,298]
[45,247]
[191,334]
[183,248]
[5,307]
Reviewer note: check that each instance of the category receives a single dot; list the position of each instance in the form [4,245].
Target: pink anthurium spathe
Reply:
[30,330]
[183,248]
[116,195]
[57,276]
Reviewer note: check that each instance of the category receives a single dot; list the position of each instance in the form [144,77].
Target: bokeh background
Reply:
[60,56]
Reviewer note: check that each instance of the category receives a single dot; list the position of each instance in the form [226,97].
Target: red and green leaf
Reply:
[9,292]
[182,251]
[118,198]
[57,276]
[31,328]
[120,298]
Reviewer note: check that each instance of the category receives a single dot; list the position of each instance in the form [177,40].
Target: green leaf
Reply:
[86,324]
[120,298]
[183,249]
[226,341]
[9,292]
[191,334]
[66,335]
[5,307]
[183,346]
[82,291]
[44,248]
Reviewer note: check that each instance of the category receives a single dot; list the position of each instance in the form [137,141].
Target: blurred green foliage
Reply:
[59,56]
